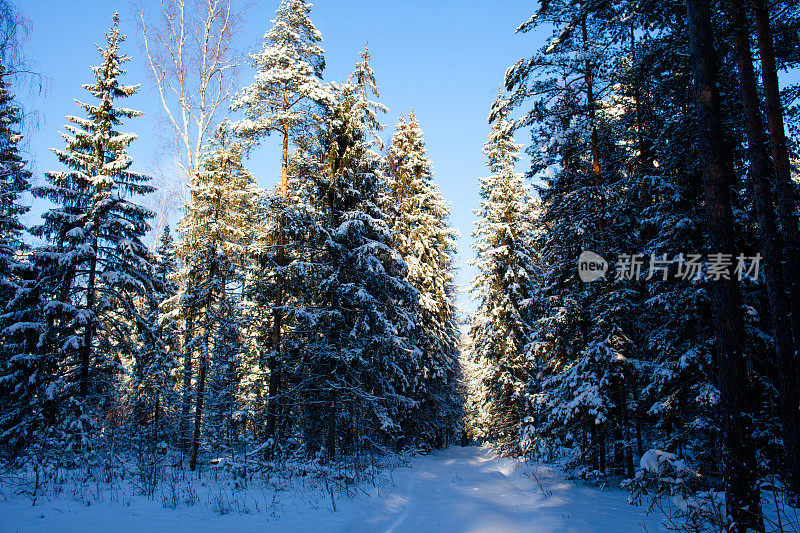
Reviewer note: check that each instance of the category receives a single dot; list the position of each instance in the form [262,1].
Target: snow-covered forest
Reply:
[294,351]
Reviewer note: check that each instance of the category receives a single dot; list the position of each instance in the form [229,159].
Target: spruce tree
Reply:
[152,384]
[14,180]
[215,240]
[742,494]
[19,329]
[501,326]
[615,148]
[350,344]
[671,387]
[94,267]
[418,219]
[587,344]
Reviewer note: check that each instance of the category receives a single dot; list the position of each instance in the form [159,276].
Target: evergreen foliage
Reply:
[505,258]
[418,218]
[88,277]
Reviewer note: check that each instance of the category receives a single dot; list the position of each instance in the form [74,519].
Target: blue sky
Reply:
[443,58]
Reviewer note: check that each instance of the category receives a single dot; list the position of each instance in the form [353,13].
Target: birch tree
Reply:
[190,55]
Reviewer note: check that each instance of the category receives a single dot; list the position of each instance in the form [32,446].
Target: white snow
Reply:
[454,490]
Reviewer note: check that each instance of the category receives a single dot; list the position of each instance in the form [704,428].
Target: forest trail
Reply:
[454,490]
[469,490]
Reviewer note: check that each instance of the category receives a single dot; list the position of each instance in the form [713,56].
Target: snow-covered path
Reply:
[466,489]
[454,490]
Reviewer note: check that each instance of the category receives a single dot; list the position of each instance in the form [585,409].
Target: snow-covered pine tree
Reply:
[151,391]
[364,79]
[622,359]
[259,283]
[18,326]
[14,180]
[581,339]
[287,87]
[166,263]
[418,218]
[215,237]
[506,262]
[677,397]
[476,416]
[349,344]
[284,98]
[776,41]
[165,367]
[27,374]
[152,384]
[94,268]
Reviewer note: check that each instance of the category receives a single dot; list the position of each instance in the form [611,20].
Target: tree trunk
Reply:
[595,149]
[157,419]
[331,437]
[88,328]
[285,162]
[645,157]
[590,103]
[760,169]
[740,473]
[601,450]
[786,211]
[627,431]
[198,413]
[619,450]
[639,441]
[201,384]
[277,319]
[186,399]
[275,357]
[780,152]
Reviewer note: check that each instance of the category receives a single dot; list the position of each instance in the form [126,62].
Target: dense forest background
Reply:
[662,140]
[315,322]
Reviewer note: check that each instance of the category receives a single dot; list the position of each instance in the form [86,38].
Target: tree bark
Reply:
[771,246]
[188,353]
[331,437]
[277,319]
[742,495]
[198,413]
[88,328]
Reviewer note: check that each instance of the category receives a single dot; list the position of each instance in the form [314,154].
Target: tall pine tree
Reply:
[500,328]
[422,235]
[14,180]
[284,98]
[215,239]
[94,268]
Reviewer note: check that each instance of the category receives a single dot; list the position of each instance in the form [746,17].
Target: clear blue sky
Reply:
[443,58]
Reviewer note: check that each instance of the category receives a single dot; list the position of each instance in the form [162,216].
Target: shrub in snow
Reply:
[667,484]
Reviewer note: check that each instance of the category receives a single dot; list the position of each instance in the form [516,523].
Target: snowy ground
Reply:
[458,489]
